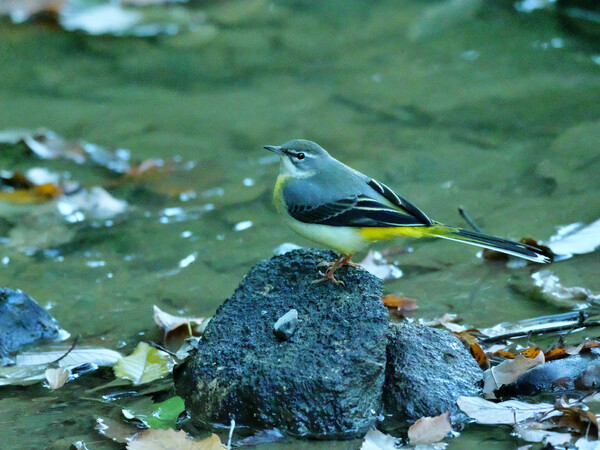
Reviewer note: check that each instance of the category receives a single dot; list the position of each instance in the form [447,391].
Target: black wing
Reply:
[400,202]
[357,211]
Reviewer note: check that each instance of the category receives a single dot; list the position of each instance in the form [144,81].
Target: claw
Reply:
[343,260]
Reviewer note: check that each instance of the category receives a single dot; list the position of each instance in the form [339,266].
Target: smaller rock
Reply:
[427,370]
[286,325]
[22,322]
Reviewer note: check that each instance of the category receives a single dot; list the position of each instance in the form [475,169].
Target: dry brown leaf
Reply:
[172,440]
[576,416]
[555,353]
[399,302]
[57,377]
[531,352]
[22,190]
[503,354]
[472,344]
[427,430]
[508,372]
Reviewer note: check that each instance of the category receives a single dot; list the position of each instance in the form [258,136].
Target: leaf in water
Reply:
[534,432]
[508,372]
[503,354]
[95,202]
[586,444]
[471,343]
[376,440]
[399,302]
[427,430]
[490,413]
[117,431]
[376,265]
[446,321]
[169,322]
[76,357]
[19,189]
[576,416]
[158,415]
[575,239]
[145,364]
[531,352]
[22,376]
[57,377]
[551,288]
[172,440]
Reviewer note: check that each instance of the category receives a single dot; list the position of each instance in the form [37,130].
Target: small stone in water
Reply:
[286,325]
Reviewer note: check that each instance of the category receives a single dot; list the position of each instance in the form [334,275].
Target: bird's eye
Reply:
[300,156]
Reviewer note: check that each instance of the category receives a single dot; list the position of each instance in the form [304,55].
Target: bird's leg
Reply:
[343,260]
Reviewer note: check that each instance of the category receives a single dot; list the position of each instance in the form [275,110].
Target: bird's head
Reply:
[300,158]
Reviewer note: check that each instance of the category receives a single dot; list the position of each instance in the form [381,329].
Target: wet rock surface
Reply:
[427,370]
[23,322]
[322,381]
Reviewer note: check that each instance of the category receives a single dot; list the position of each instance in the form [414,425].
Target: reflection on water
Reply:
[482,107]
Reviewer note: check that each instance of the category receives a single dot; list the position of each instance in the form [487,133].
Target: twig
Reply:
[162,349]
[465,215]
[75,341]
[230,433]
[503,337]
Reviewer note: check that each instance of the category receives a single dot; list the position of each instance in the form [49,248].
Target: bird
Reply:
[339,207]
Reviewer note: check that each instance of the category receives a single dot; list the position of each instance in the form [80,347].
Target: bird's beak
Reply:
[274,148]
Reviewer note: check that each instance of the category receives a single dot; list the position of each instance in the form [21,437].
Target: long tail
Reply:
[493,243]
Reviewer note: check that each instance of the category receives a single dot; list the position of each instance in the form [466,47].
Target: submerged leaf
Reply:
[78,356]
[172,440]
[576,239]
[427,430]
[158,415]
[117,431]
[530,433]
[375,264]
[145,364]
[376,440]
[551,287]
[509,412]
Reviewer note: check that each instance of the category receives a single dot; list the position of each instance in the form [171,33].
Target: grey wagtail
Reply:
[332,204]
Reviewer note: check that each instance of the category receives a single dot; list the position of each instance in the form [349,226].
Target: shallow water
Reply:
[449,104]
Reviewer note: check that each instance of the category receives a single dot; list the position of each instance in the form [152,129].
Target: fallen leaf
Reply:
[530,433]
[161,415]
[427,430]
[145,364]
[503,354]
[169,322]
[575,239]
[508,372]
[550,287]
[376,440]
[376,265]
[172,440]
[586,444]
[446,321]
[96,203]
[57,377]
[576,416]
[76,357]
[555,353]
[399,306]
[508,412]
[471,343]
[531,352]
[117,431]
[20,190]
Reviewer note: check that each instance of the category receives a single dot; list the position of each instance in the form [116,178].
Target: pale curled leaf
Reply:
[376,265]
[530,433]
[169,322]
[376,440]
[57,377]
[76,357]
[490,413]
[145,364]
[576,239]
[551,288]
[586,444]
[172,440]
[427,430]
[508,372]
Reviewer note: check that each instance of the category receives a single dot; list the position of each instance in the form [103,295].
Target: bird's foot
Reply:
[343,260]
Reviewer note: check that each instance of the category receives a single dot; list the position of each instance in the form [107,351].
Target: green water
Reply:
[463,104]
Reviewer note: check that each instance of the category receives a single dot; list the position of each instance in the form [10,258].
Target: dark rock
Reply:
[574,372]
[427,370]
[23,322]
[325,382]
[286,325]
